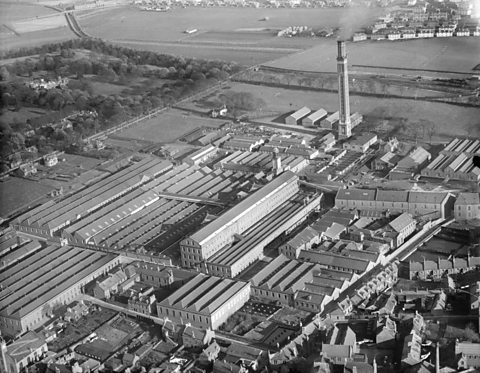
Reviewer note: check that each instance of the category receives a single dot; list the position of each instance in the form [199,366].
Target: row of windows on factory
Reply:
[272,294]
[186,315]
[469,208]
[219,270]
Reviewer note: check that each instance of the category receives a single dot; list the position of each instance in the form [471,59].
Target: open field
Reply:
[38,24]
[243,56]
[16,193]
[233,34]
[384,113]
[449,54]
[33,39]
[170,26]
[14,11]
[167,126]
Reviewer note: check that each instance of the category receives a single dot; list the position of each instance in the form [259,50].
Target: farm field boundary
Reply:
[352,93]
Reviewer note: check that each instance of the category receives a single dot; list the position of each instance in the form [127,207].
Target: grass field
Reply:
[232,34]
[167,126]
[39,24]
[170,26]
[14,11]
[449,54]
[449,120]
[16,193]
[33,39]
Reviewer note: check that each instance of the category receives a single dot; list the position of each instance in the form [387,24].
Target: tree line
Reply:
[162,80]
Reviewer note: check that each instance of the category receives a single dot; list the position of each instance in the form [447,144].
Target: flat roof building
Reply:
[205,301]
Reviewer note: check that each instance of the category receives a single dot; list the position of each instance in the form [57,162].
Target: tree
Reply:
[4,74]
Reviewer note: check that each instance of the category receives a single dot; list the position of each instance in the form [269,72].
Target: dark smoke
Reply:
[355,18]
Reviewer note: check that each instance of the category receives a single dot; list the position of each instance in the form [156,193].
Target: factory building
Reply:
[201,155]
[231,260]
[205,301]
[253,162]
[346,262]
[300,284]
[211,238]
[361,143]
[467,206]
[53,275]
[314,119]
[281,279]
[431,204]
[52,216]
[298,116]
[410,165]
[140,216]
[330,121]
[456,161]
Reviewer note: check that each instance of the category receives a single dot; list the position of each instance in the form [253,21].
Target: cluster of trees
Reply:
[106,63]
[237,102]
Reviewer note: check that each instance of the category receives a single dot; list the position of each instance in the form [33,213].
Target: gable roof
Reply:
[401,222]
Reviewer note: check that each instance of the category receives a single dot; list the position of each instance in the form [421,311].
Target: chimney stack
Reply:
[344,125]
[437,357]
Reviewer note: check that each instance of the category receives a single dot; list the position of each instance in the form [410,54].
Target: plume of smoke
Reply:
[354,18]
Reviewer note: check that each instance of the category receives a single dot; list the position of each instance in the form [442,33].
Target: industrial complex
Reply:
[310,245]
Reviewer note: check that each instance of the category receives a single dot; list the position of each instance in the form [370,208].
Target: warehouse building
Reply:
[314,119]
[211,238]
[430,204]
[330,121]
[205,301]
[298,116]
[52,275]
